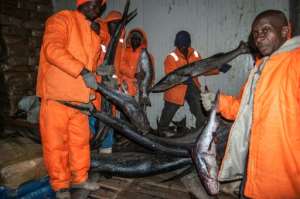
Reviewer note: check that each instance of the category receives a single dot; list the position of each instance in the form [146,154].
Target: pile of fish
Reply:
[166,154]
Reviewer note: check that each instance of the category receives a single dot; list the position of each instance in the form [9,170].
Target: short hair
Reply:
[276,14]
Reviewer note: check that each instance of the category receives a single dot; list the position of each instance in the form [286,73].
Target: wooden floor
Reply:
[142,188]
[150,188]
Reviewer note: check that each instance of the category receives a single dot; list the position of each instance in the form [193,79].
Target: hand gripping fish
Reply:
[197,68]
[204,153]
[145,68]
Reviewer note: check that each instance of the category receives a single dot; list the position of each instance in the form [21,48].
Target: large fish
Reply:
[204,153]
[197,68]
[137,117]
[127,130]
[134,165]
[109,57]
[128,105]
[145,67]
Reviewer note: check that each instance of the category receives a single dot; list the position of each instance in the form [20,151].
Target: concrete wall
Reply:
[215,25]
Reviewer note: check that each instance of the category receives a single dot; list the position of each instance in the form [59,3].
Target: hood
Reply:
[113,16]
[289,45]
[80,2]
[145,42]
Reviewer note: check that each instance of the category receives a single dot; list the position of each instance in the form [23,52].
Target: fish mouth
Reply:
[213,187]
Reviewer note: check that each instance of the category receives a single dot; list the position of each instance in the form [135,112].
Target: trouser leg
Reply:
[79,147]
[194,101]
[167,114]
[54,133]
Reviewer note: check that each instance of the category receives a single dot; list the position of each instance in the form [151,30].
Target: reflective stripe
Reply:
[121,40]
[196,54]
[103,48]
[115,76]
[174,56]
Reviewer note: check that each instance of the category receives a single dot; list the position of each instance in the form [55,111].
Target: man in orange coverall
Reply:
[175,97]
[135,42]
[69,56]
[264,141]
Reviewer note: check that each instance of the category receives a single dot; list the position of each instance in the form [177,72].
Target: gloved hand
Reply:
[111,82]
[207,98]
[89,79]
[225,68]
[105,70]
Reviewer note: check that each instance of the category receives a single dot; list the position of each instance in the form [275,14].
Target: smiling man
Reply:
[69,55]
[264,142]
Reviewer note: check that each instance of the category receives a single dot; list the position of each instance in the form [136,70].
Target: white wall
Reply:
[215,26]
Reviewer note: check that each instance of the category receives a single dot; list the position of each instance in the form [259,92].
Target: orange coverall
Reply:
[69,45]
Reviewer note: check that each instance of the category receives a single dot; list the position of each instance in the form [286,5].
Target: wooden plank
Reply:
[103,193]
[144,191]
[115,183]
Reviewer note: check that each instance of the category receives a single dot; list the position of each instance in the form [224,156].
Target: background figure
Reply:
[176,96]
[129,71]
[108,27]
[64,130]
[264,141]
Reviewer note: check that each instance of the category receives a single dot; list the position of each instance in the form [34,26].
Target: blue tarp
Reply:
[35,189]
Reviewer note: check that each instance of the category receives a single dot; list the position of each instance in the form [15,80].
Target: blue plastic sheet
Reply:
[35,189]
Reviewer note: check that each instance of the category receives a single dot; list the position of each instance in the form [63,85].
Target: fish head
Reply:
[212,186]
[207,169]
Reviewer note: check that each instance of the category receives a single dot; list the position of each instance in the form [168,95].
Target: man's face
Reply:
[92,9]
[184,50]
[135,41]
[267,36]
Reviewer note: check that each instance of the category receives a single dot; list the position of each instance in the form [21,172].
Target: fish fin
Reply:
[225,68]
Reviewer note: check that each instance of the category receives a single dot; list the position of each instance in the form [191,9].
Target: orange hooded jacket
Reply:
[68,46]
[173,61]
[273,169]
[129,63]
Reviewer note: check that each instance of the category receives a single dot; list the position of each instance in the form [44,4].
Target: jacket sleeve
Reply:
[230,105]
[55,41]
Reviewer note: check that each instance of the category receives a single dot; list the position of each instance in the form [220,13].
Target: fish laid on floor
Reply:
[197,68]
[136,165]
